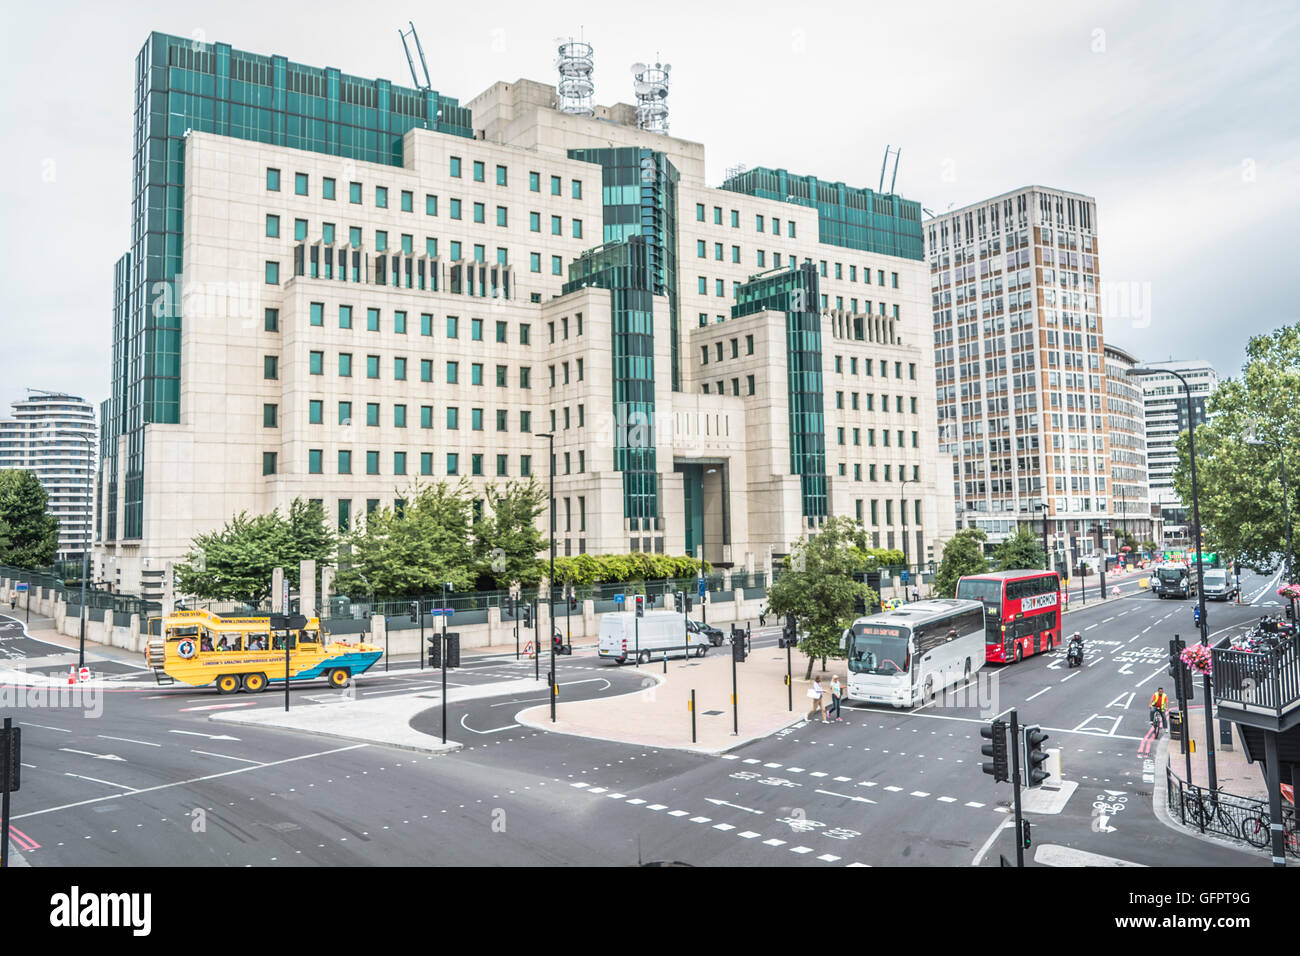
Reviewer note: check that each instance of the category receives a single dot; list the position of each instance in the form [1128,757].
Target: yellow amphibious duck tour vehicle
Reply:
[200,648]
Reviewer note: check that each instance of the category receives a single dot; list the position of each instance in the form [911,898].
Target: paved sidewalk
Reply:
[1232,773]
[659,716]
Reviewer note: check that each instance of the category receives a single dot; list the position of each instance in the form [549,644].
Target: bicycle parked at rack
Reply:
[1204,810]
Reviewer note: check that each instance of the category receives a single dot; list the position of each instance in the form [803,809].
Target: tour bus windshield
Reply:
[879,649]
[973,589]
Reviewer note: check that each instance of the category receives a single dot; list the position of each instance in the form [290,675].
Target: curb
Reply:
[703,751]
[16,859]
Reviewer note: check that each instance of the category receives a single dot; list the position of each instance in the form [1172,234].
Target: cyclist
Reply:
[1159,705]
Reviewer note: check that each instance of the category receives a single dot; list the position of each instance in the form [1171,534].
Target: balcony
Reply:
[1258,689]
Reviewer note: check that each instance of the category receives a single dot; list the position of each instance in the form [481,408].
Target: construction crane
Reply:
[426,86]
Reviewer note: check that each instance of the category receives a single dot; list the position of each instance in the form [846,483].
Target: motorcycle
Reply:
[1074,654]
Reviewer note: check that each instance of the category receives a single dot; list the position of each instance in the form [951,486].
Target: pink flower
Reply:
[1197,657]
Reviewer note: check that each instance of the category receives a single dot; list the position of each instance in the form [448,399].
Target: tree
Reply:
[31,536]
[507,539]
[237,562]
[962,555]
[817,587]
[416,552]
[1240,485]
[1022,550]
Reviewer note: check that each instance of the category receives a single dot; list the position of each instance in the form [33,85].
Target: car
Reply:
[700,629]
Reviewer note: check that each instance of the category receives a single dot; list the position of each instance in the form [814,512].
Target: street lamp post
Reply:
[1200,573]
[903,518]
[1251,439]
[52,432]
[550,581]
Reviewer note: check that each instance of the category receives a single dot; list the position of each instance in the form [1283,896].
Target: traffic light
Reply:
[640,606]
[996,732]
[453,649]
[1025,833]
[677,601]
[737,645]
[415,612]
[789,633]
[573,603]
[1184,686]
[528,615]
[1035,757]
[435,651]
[687,599]
[557,644]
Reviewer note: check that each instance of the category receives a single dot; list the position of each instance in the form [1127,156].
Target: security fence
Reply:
[100,605]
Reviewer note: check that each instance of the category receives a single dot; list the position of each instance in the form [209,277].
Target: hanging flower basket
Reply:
[1289,591]
[1198,660]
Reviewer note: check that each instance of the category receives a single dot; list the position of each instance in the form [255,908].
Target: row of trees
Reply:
[964,554]
[29,537]
[440,536]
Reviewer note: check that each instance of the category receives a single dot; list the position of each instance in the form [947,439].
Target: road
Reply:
[151,781]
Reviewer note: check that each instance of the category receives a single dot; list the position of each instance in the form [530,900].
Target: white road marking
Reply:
[1158,670]
[107,783]
[1005,824]
[43,727]
[1064,679]
[1126,698]
[226,756]
[1088,628]
[774,842]
[247,703]
[195,733]
[128,740]
[1039,694]
[87,753]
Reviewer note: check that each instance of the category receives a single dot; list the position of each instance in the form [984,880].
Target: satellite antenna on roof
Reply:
[426,86]
[650,83]
[574,61]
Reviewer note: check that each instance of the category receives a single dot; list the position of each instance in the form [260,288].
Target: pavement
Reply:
[659,714]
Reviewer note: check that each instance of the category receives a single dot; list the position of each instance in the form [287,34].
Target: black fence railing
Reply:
[1243,819]
[97,601]
[1265,680]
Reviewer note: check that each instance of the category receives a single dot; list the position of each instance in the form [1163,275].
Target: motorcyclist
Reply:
[1076,645]
[1160,705]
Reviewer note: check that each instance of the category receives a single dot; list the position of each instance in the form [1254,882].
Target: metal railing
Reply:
[1243,819]
[1265,681]
[96,600]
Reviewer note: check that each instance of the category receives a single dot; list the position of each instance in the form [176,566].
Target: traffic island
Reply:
[384,721]
[659,715]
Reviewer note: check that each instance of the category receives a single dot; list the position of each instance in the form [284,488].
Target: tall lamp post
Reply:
[1200,573]
[53,435]
[550,580]
[1253,439]
[903,519]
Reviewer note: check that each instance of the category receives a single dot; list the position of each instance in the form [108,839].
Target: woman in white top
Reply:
[837,694]
[817,695]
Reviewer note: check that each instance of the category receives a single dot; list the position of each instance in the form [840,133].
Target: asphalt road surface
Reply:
[142,777]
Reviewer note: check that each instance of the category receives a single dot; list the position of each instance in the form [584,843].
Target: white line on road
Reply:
[43,727]
[1126,698]
[1005,824]
[182,783]
[1039,694]
[87,753]
[495,730]
[227,757]
[1064,679]
[127,740]
[845,796]
[1149,676]
[107,783]
[1090,627]
[195,733]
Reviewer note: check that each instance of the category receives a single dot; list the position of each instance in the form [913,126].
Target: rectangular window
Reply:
[372,414]
[268,416]
[271,320]
[372,320]
[453,373]
[453,463]
[354,237]
[314,461]
[535,182]
[381,197]
[476,373]
[577,229]
[502,420]
[699,212]
[476,464]
[426,370]
[327,188]
[426,463]
[354,193]
[345,364]
[455,251]
[479,212]
[556,225]
[372,463]
[503,465]
[555,185]
[426,416]
[273,273]
[300,184]
[399,369]
[345,413]
[557,266]
[453,418]
[399,416]
[272,226]
[273,180]
[576,187]
[455,209]
[345,317]
[501,376]
[476,419]
[455,167]
[270,366]
[478,171]
[525,465]
[399,462]
[345,462]
[316,363]
[372,366]
[535,262]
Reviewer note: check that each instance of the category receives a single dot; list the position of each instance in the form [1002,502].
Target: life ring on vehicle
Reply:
[186,648]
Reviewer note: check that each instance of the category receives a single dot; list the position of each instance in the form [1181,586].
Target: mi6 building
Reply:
[338,287]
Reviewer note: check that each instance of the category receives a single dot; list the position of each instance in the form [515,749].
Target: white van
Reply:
[657,634]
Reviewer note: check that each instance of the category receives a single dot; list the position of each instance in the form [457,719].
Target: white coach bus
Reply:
[904,656]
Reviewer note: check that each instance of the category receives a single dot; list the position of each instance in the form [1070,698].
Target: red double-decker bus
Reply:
[1022,611]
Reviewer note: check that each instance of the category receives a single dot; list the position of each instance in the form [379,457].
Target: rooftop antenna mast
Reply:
[426,86]
[885,163]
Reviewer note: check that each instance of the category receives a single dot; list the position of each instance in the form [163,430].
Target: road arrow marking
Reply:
[87,753]
[724,803]
[1125,698]
[195,733]
[1126,669]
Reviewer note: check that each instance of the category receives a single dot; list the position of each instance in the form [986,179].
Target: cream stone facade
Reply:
[408,323]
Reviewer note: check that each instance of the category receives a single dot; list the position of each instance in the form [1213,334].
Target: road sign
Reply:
[701,587]
[284,605]
[906,576]
[439,611]
[618,599]
[20,586]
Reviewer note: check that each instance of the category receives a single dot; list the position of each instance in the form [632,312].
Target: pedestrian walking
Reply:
[837,693]
[13,601]
[762,616]
[817,695]
[916,593]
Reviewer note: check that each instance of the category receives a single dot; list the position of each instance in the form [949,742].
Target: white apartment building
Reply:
[1165,408]
[721,369]
[54,435]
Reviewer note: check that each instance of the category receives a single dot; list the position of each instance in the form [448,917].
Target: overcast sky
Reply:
[1180,118]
